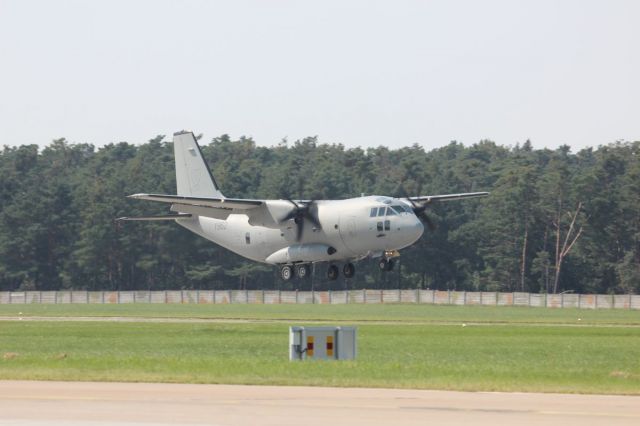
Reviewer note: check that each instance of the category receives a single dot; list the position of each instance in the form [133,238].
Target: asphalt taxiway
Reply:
[32,403]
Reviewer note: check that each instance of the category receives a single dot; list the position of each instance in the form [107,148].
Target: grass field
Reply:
[409,346]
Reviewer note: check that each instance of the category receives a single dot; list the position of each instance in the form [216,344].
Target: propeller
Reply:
[419,208]
[299,213]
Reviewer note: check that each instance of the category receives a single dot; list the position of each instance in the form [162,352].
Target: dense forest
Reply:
[555,220]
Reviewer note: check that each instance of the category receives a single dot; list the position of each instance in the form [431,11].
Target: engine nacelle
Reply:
[302,253]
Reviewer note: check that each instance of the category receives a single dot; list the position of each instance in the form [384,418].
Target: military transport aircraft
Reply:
[292,234]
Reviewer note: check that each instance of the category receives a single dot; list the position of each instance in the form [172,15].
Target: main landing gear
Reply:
[348,270]
[303,270]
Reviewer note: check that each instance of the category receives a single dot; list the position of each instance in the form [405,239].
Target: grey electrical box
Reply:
[322,343]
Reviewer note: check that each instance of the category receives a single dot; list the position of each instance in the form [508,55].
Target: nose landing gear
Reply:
[386,264]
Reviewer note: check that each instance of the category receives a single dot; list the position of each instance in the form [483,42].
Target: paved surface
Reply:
[127,404]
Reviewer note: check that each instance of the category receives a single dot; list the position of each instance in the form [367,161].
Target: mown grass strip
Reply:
[478,358]
[400,313]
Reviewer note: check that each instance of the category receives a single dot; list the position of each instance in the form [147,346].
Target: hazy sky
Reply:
[355,72]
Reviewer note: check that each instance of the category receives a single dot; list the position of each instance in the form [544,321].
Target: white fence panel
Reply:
[5,297]
[255,297]
[570,301]
[271,297]
[505,299]
[173,296]
[357,296]
[79,297]
[238,296]
[32,297]
[554,301]
[408,296]
[604,301]
[441,297]
[520,299]
[489,298]
[158,297]
[457,297]
[126,297]
[339,297]
[587,301]
[321,297]
[222,296]
[205,296]
[374,296]
[390,296]
[635,302]
[622,301]
[141,296]
[473,298]
[288,297]
[48,297]
[96,297]
[538,300]
[305,297]
[427,296]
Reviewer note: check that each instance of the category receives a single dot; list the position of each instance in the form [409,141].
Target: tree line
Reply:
[555,220]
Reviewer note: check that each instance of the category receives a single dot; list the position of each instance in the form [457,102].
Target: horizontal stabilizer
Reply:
[163,217]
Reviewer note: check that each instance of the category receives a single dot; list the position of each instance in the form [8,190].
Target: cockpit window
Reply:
[374,212]
[391,212]
[398,209]
[381,211]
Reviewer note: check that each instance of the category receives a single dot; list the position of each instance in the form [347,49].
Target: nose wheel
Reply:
[386,264]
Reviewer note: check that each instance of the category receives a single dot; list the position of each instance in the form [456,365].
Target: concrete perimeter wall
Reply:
[584,301]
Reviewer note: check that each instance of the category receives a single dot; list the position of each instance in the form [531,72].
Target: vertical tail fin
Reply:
[193,176]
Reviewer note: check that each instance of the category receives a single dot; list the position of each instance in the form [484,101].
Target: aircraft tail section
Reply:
[193,176]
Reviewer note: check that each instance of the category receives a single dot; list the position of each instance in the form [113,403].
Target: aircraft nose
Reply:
[416,231]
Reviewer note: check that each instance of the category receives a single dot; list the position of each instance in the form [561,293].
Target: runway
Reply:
[27,403]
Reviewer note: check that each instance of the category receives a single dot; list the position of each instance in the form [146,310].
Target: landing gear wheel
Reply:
[349,270]
[286,272]
[302,271]
[383,264]
[332,272]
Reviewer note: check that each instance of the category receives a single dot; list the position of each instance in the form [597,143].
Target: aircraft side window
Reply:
[381,211]
[391,212]
[247,238]
[387,225]
[380,226]
[374,212]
